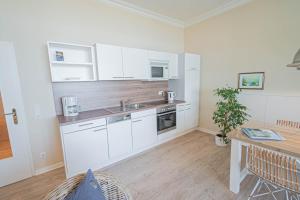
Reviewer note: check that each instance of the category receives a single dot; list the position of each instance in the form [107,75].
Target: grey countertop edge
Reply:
[96,114]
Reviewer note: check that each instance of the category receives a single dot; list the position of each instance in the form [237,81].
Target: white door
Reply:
[144,132]
[15,157]
[119,138]
[85,149]
[135,63]
[110,62]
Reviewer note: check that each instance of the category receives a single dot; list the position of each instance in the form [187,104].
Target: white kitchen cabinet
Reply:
[110,62]
[170,58]
[71,62]
[135,63]
[119,139]
[187,117]
[191,117]
[85,149]
[158,55]
[191,61]
[187,87]
[180,121]
[173,66]
[192,86]
[144,132]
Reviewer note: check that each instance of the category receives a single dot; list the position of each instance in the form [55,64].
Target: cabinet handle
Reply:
[85,124]
[137,121]
[129,77]
[72,78]
[99,129]
[117,77]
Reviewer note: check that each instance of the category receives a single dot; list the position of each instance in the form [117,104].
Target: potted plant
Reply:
[229,115]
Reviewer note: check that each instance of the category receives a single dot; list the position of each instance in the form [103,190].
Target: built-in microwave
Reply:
[159,70]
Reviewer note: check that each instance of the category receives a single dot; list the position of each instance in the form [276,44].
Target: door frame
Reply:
[21,112]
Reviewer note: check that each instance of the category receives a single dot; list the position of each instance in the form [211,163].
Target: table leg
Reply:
[235,166]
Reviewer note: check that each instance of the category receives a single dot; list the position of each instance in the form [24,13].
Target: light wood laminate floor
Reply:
[190,167]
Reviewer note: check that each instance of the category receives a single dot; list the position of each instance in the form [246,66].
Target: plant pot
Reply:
[220,142]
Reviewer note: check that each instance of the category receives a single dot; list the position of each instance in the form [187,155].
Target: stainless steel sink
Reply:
[135,106]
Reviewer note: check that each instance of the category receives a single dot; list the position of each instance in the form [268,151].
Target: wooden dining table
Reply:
[289,146]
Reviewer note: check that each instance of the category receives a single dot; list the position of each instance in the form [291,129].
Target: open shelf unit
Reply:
[71,62]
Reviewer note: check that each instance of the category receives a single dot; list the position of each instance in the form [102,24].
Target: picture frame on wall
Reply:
[251,80]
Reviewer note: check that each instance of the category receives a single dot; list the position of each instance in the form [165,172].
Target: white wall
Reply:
[267,109]
[262,35]
[30,24]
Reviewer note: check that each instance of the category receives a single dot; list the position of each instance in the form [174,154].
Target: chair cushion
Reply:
[88,189]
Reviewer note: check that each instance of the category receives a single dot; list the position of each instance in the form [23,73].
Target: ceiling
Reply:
[180,12]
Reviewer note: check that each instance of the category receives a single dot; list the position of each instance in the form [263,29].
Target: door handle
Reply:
[14,115]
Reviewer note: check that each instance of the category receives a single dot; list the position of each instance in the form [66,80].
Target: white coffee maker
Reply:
[70,105]
[171,96]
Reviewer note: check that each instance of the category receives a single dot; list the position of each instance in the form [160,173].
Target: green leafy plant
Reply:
[230,114]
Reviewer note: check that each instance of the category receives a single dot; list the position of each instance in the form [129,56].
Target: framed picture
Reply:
[252,80]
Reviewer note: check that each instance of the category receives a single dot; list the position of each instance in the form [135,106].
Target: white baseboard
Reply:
[48,168]
[205,130]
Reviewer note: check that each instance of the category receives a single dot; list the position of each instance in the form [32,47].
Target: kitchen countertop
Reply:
[111,111]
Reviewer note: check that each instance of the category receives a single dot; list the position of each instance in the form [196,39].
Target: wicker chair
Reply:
[276,171]
[111,188]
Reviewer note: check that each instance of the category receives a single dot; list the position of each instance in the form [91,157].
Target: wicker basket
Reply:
[111,188]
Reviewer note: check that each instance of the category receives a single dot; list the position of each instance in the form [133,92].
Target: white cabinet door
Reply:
[135,63]
[194,86]
[173,66]
[144,132]
[192,61]
[110,62]
[191,117]
[157,55]
[180,121]
[85,149]
[188,86]
[119,138]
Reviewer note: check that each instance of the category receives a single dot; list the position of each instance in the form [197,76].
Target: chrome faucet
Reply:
[123,103]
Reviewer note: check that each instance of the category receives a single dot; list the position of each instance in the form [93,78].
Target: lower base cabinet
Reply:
[144,132]
[85,149]
[97,143]
[187,117]
[119,139]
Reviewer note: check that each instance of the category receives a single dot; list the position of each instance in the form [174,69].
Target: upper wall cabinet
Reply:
[110,62]
[120,63]
[171,58]
[135,63]
[71,62]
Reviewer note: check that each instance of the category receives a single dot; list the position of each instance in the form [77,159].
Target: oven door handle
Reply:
[166,113]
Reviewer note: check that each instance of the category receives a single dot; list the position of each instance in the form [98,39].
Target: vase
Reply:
[220,142]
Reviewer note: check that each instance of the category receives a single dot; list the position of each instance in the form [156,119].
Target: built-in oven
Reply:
[159,69]
[166,119]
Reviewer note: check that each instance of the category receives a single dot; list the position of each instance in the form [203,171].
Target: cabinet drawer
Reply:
[143,113]
[183,106]
[83,125]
